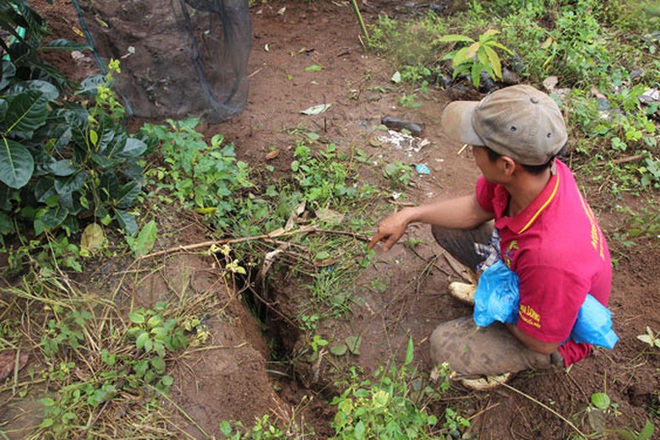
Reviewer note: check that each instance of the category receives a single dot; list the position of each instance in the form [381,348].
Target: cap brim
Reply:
[456,122]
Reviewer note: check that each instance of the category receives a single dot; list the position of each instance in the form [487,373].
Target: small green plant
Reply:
[263,429]
[392,407]
[477,58]
[153,332]
[409,101]
[66,332]
[645,434]
[601,404]
[316,343]
[350,345]
[380,285]
[643,223]
[650,338]
[398,173]
[144,241]
[202,177]
[322,177]
[455,423]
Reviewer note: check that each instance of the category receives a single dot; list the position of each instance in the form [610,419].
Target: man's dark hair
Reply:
[532,169]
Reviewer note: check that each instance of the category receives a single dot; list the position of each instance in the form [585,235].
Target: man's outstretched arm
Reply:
[460,213]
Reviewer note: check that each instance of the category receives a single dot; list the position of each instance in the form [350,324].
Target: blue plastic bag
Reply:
[497,299]
[497,296]
[594,325]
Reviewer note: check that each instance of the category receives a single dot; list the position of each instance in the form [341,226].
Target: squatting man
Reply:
[526,211]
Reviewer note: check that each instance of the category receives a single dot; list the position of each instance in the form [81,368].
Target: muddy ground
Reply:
[232,381]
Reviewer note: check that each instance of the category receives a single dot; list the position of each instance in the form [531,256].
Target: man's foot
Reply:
[463,292]
[486,383]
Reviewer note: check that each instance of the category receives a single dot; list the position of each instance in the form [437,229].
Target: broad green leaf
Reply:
[314,68]
[92,237]
[353,343]
[547,43]
[476,74]
[47,401]
[488,35]
[45,190]
[71,183]
[128,194]
[49,90]
[145,239]
[155,320]
[52,217]
[646,338]
[51,71]
[359,430]
[500,46]
[6,194]
[455,38]
[141,367]
[142,340]
[104,162]
[460,57]
[47,423]
[410,351]
[482,57]
[8,72]
[136,317]
[647,432]
[494,61]
[61,168]
[323,255]
[110,141]
[167,381]
[94,137]
[158,363]
[339,350]
[472,50]
[159,348]
[225,428]
[126,221]
[6,224]
[16,164]
[90,85]
[133,148]
[600,400]
[26,113]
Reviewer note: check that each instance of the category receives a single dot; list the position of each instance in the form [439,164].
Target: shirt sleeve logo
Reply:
[529,315]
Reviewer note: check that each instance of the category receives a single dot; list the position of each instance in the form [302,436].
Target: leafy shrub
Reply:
[477,58]
[59,161]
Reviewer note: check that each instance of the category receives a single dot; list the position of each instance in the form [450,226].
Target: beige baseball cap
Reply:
[518,121]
